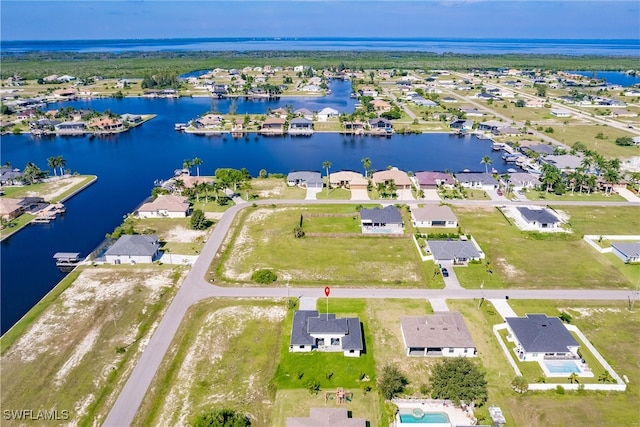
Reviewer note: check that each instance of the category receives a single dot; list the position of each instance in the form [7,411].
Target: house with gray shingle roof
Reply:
[627,251]
[307,179]
[484,181]
[325,332]
[457,251]
[442,333]
[539,218]
[538,337]
[133,249]
[376,220]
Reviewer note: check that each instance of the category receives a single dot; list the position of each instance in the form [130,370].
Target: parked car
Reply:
[445,272]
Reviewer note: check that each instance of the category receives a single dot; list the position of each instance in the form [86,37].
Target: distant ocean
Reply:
[613,47]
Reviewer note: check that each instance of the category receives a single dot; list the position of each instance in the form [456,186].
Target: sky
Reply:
[520,19]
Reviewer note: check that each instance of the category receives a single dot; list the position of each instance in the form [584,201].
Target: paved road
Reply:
[196,288]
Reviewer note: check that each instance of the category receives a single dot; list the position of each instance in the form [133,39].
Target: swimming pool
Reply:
[561,366]
[419,417]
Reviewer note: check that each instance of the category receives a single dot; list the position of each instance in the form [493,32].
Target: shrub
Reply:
[392,382]
[264,276]
[560,389]
[198,221]
[221,418]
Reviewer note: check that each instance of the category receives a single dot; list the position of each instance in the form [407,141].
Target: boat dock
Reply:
[49,213]
[66,261]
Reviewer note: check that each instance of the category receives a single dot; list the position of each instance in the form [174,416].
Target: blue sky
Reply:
[106,19]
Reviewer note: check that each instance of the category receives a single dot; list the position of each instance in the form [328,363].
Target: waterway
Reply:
[612,77]
[128,164]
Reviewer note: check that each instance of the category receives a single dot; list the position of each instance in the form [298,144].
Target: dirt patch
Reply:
[509,270]
[181,234]
[56,188]
[586,312]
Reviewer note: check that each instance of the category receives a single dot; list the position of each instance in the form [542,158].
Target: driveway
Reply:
[431,195]
[359,194]
[493,195]
[405,195]
[311,193]
[630,196]
[451,282]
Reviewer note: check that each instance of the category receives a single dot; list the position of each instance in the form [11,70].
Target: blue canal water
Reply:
[128,164]
[612,77]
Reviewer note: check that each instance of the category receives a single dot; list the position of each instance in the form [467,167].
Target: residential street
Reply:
[196,288]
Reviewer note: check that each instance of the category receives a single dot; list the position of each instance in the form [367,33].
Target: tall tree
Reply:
[366,163]
[486,161]
[197,162]
[52,162]
[187,165]
[460,380]
[326,165]
[62,163]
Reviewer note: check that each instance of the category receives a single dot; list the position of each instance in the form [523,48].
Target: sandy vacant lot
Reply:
[74,356]
[55,188]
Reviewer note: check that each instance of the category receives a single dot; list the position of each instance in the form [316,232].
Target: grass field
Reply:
[176,233]
[74,350]
[587,134]
[263,238]
[533,260]
[573,197]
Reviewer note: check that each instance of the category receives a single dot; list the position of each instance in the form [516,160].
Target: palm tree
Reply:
[550,176]
[573,378]
[62,163]
[179,185]
[52,162]
[520,384]
[326,165]
[605,377]
[197,162]
[611,176]
[486,161]
[366,163]
[187,165]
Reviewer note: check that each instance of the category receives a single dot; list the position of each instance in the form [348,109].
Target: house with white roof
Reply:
[327,113]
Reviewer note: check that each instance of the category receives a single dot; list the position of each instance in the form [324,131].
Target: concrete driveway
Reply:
[359,194]
[405,195]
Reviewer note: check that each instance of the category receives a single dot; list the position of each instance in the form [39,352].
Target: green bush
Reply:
[221,418]
[264,276]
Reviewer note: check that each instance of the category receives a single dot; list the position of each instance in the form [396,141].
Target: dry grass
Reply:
[67,358]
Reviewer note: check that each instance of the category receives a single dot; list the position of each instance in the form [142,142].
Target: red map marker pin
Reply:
[327,291]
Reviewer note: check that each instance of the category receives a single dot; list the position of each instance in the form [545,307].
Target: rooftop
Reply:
[440,329]
[541,216]
[538,333]
[452,249]
[388,215]
[434,213]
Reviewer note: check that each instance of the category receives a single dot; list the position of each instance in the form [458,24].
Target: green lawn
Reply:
[334,194]
[573,197]
[35,190]
[263,238]
[349,224]
[536,260]
[603,220]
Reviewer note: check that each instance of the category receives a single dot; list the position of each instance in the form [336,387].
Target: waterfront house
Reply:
[273,126]
[237,125]
[461,124]
[564,162]
[471,111]
[380,125]
[307,179]
[540,219]
[11,208]
[355,127]
[387,220]
[538,337]
[107,124]
[70,128]
[456,251]
[304,112]
[131,118]
[492,125]
[165,206]
[348,179]
[542,149]
[381,106]
[433,216]
[301,126]
[133,249]
[368,91]
[327,417]
[399,178]
[629,252]
[482,180]
[311,330]
[431,180]
[441,334]
[8,175]
[191,181]
[327,113]
[279,112]
[209,121]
